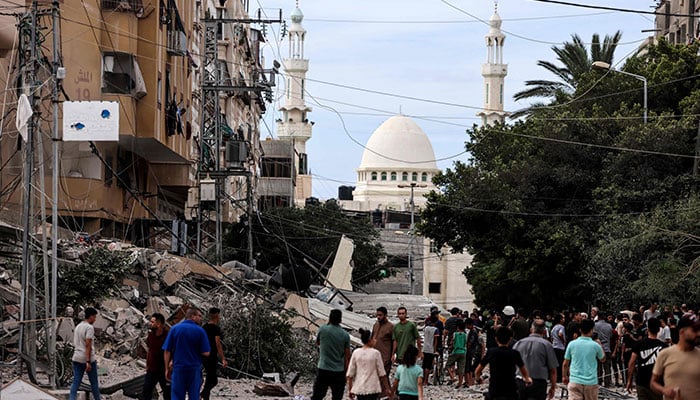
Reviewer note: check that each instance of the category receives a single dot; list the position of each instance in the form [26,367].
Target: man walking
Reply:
[644,355]
[676,373]
[334,344]
[211,362]
[382,332]
[540,361]
[84,356]
[580,368]
[155,366]
[405,334]
[184,348]
[604,331]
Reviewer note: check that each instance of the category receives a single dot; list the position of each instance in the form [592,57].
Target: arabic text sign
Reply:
[90,120]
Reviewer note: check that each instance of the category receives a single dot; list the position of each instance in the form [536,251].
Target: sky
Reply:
[430,50]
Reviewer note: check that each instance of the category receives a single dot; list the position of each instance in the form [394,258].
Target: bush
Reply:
[95,277]
[257,339]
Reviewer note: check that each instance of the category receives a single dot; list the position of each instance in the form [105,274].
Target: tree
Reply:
[576,62]
[289,236]
[582,200]
[99,272]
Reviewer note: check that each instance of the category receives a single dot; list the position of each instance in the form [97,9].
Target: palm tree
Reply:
[576,62]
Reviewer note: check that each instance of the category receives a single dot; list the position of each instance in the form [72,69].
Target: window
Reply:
[303,86]
[424,177]
[118,74]
[487,93]
[501,98]
[404,176]
[414,176]
[122,5]
[374,176]
[303,164]
[276,167]
[434,287]
[383,176]
[393,176]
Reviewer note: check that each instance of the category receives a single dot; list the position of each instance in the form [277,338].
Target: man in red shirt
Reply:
[155,365]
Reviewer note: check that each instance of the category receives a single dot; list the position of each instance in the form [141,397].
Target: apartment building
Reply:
[677,20]
[147,56]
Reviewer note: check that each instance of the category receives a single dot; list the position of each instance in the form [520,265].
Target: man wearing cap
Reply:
[676,374]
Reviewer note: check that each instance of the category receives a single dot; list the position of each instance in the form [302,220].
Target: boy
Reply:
[458,355]
[503,361]
[430,336]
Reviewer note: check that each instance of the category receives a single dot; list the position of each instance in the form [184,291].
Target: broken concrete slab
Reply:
[340,274]
[20,389]
[301,306]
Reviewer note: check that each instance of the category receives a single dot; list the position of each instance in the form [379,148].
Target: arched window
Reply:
[393,176]
[414,176]
[383,176]
[404,176]
[424,177]
[374,176]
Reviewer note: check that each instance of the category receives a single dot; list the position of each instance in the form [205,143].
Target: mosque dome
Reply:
[296,16]
[398,143]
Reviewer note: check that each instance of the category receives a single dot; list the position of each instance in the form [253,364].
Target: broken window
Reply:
[121,75]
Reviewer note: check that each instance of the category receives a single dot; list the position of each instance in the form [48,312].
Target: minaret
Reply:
[494,72]
[294,124]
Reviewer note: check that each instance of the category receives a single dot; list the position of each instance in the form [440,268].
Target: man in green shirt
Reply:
[334,344]
[405,334]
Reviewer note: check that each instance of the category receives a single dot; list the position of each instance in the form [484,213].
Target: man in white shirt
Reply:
[83,355]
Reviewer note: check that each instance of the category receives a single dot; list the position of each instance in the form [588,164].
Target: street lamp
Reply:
[413,185]
[606,66]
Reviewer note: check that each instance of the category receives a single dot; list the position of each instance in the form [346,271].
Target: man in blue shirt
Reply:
[334,344]
[183,349]
[580,368]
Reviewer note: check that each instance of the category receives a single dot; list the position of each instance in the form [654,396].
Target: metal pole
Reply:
[249,196]
[645,99]
[54,204]
[410,245]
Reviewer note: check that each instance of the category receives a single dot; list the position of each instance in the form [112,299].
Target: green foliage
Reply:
[284,235]
[258,340]
[99,272]
[583,203]
[575,64]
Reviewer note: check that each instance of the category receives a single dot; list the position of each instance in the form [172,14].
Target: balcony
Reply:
[177,43]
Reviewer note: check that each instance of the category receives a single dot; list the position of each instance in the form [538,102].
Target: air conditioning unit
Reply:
[236,153]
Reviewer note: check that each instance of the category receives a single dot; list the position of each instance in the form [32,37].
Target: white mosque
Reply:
[398,158]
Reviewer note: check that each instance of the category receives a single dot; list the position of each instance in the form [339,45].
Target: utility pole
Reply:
[58,74]
[211,144]
[28,296]
[411,277]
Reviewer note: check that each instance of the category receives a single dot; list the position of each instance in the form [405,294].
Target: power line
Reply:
[625,10]
[412,22]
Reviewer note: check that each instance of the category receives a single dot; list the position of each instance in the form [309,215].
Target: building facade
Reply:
[147,56]
[677,20]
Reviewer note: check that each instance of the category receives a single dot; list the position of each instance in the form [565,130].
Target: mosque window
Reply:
[393,176]
[501,93]
[414,176]
[404,176]
[424,177]
[487,93]
[303,88]
[374,176]
[383,176]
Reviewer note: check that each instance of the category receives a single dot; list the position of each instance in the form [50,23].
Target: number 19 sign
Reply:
[90,120]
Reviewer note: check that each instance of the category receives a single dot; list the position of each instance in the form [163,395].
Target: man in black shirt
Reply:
[502,361]
[643,358]
[210,362]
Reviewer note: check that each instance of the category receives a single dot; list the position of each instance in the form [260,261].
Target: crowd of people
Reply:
[652,353]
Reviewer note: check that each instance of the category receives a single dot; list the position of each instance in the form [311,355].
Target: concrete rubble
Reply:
[168,284]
